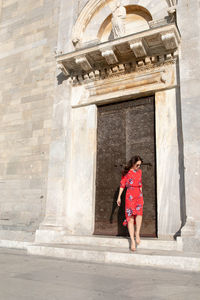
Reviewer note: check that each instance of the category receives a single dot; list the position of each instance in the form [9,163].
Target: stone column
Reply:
[167,154]
[188,19]
[80,210]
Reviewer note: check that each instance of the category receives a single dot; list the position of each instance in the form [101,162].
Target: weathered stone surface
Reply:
[168,189]
[46,277]
[80,214]
[188,13]
[27,75]
[47,129]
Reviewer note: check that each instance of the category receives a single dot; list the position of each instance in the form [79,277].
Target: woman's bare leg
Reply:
[138,226]
[131,232]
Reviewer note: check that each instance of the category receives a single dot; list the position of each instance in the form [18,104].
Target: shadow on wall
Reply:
[121,230]
[61,77]
[181,155]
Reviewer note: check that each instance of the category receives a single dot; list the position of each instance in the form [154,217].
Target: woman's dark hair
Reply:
[131,162]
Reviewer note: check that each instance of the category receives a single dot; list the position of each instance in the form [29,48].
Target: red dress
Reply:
[134,197]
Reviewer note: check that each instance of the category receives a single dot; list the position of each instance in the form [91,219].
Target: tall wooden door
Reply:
[124,129]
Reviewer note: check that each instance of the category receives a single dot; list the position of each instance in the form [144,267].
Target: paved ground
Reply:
[29,277]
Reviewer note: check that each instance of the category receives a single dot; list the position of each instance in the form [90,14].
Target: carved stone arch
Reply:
[96,11]
[84,18]
[137,18]
[171,2]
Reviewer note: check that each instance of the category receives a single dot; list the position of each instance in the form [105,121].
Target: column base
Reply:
[190,236]
[51,230]
[51,235]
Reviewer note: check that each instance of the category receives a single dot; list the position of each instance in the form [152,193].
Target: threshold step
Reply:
[107,241]
[115,255]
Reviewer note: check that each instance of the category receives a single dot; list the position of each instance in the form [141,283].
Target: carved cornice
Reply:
[142,66]
[128,81]
[124,83]
[127,54]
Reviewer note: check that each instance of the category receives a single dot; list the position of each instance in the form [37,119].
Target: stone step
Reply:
[14,244]
[17,235]
[107,241]
[121,242]
[116,255]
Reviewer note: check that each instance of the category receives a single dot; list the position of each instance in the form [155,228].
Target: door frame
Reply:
[155,186]
[160,81]
[81,218]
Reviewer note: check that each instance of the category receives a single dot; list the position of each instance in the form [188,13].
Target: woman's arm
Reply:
[119,196]
[140,183]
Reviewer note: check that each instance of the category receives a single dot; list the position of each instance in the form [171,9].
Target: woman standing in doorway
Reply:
[132,180]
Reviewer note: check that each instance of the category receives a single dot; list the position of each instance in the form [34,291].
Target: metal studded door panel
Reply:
[124,129]
[111,151]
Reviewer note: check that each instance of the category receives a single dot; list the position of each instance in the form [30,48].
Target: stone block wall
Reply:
[28,37]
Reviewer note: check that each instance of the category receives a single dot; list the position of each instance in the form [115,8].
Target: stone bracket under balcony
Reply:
[127,54]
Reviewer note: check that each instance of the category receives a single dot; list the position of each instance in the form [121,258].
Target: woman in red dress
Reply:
[132,180]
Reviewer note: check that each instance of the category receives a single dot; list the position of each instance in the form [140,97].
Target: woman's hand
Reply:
[118,201]
[119,196]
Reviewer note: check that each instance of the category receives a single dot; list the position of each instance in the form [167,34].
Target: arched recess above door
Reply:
[150,38]
[93,22]
[137,18]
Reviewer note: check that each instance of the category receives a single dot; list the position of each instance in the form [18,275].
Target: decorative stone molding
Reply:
[109,85]
[63,69]
[170,40]
[110,56]
[138,48]
[131,53]
[171,2]
[126,80]
[172,6]
[172,10]
[83,20]
[84,63]
[157,23]
[90,14]
[145,65]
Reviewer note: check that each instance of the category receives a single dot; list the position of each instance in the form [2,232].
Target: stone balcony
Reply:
[153,46]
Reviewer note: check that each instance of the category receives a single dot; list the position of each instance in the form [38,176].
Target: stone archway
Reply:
[96,12]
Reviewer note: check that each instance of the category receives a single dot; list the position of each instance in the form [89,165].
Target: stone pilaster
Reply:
[58,159]
[58,183]
[188,13]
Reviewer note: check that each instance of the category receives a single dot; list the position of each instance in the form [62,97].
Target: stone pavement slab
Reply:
[24,277]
